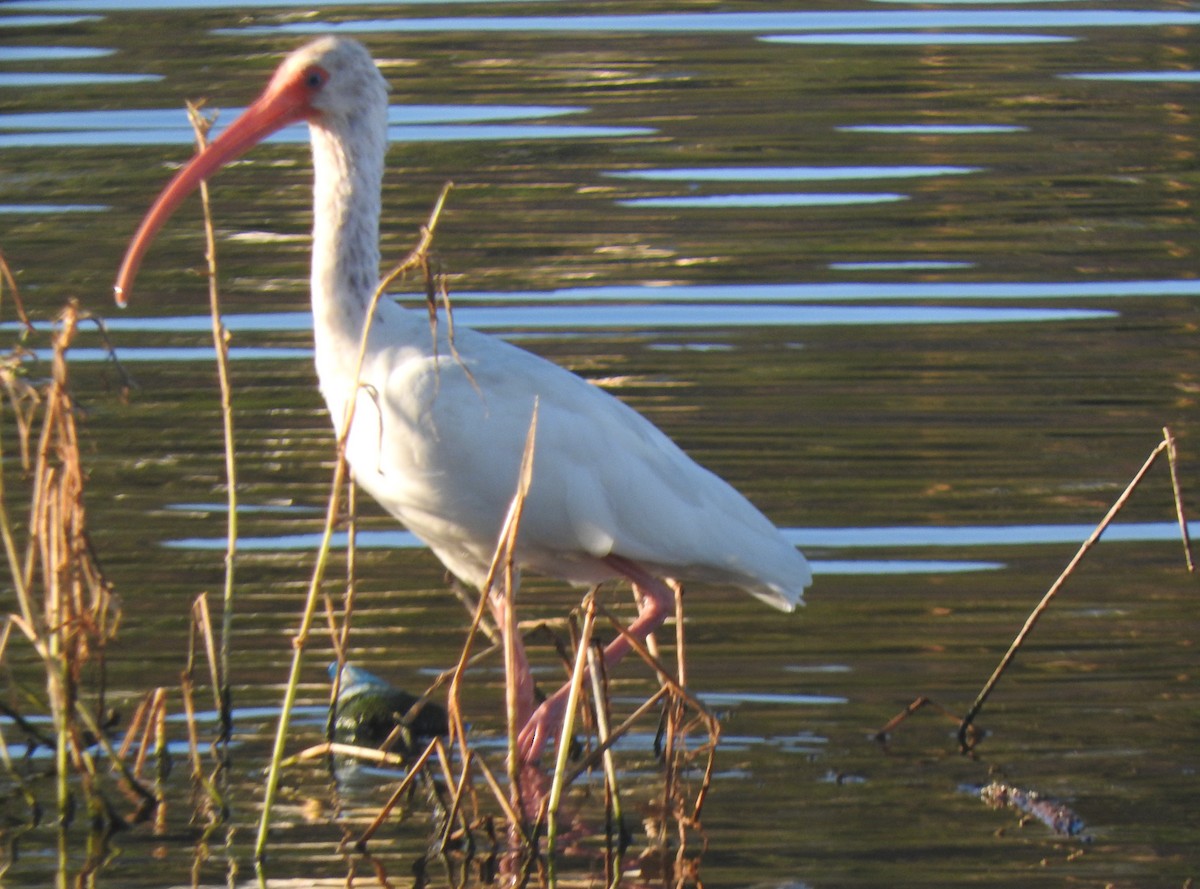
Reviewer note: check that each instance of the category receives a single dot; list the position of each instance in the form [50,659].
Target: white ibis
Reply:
[437,437]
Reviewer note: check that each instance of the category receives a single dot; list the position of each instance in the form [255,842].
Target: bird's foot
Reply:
[541,729]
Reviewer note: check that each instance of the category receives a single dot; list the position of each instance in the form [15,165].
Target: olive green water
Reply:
[898,412]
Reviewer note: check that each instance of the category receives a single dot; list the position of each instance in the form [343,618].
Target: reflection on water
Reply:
[804,538]
[18,80]
[42,21]
[1141,76]
[900,38]
[937,398]
[933,129]
[170,126]
[911,265]
[50,53]
[804,199]
[788,174]
[638,317]
[21,209]
[752,22]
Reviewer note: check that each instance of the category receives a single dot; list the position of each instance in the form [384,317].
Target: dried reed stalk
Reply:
[568,729]
[220,335]
[1167,445]
[613,813]
[503,560]
[65,605]
[968,734]
[9,280]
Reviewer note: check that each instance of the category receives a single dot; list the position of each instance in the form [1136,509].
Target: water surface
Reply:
[922,282]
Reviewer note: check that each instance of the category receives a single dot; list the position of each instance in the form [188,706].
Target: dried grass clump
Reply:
[65,609]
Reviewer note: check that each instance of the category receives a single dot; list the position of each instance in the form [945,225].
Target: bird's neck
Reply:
[348,178]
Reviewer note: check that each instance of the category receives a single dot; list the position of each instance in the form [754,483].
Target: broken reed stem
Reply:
[8,279]
[335,748]
[1177,491]
[413,771]
[20,394]
[339,636]
[201,126]
[643,651]
[454,811]
[881,736]
[568,729]
[502,557]
[619,732]
[674,711]
[1167,444]
[189,713]
[600,707]
[512,644]
[511,635]
[202,625]
[340,475]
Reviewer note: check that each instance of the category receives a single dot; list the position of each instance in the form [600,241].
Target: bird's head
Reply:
[331,82]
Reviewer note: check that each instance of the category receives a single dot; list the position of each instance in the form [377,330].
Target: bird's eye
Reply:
[315,77]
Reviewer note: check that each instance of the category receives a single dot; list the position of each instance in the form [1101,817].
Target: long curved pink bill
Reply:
[281,104]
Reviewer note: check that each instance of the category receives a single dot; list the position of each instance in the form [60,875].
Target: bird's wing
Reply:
[606,481]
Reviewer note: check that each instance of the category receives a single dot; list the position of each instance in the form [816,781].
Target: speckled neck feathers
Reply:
[349,140]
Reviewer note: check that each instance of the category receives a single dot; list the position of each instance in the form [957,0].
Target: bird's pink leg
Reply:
[655,601]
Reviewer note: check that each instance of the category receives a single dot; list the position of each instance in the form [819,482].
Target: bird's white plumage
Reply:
[438,433]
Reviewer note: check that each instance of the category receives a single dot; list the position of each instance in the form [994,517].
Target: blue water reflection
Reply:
[42,209]
[905,38]
[41,79]
[791,199]
[792,174]
[742,294]
[410,123]
[906,537]
[43,21]
[906,265]
[932,129]
[181,5]
[981,535]
[177,118]
[751,22]
[1140,76]
[580,317]
[50,53]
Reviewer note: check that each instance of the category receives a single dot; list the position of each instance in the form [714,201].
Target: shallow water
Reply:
[922,282]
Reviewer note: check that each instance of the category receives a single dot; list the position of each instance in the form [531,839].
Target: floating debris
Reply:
[1056,816]
[370,710]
